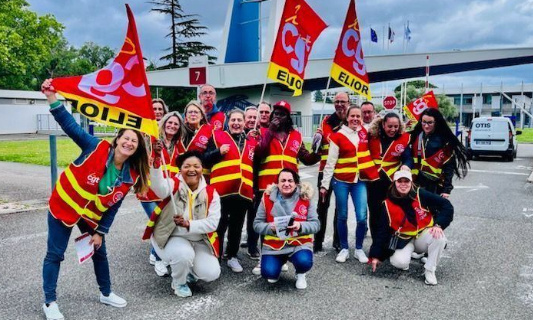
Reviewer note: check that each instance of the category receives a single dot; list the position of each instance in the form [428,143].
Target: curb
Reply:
[23,206]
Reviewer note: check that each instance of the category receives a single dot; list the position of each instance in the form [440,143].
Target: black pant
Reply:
[376,193]
[253,237]
[234,209]
[322,211]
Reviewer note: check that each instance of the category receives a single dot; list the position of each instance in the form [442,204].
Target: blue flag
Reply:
[373,35]
[407,32]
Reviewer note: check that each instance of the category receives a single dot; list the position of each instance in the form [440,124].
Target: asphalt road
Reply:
[486,271]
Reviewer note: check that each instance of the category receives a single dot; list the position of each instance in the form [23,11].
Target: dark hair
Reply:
[443,130]
[289,125]
[370,103]
[388,116]
[392,192]
[138,161]
[295,175]
[189,154]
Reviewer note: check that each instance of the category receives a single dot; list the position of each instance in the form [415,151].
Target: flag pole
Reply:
[427,74]
[167,179]
[323,107]
[404,40]
[260,100]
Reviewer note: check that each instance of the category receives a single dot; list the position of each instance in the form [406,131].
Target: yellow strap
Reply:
[377,161]
[246,167]
[226,177]
[171,168]
[365,165]
[392,170]
[325,147]
[361,154]
[386,163]
[213,237]
[268,172]
[63,194]
[247,182]
[347,160]
[346,170]
[280,158]
[225,164]
[206,171]
[324,157]
[192,198]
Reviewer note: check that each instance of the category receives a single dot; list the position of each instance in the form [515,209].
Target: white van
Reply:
[492,136]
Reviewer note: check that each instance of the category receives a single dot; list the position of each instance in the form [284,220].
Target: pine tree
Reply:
[185,29]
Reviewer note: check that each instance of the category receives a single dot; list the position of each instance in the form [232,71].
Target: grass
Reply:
[526,136]
[38,151]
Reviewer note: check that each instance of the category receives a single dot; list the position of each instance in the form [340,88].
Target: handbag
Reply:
[393,243]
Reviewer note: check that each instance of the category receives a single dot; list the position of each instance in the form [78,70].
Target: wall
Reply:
[20,118]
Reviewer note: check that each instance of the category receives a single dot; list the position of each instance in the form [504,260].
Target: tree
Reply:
[184,29]
[26,43]
[415,89]
[318,96]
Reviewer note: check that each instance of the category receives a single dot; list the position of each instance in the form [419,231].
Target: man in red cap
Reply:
[280,147]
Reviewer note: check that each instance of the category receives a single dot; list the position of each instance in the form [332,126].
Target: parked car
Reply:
[492,136]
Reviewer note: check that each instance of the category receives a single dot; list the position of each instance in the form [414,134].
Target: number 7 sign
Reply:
[197,70]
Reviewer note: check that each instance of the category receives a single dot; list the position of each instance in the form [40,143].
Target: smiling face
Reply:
[391,126]
[286,184]
[341,103]
[193,116]
[403,185]
[159,110]
[172,126]
[354,118]
[127,143]
[191,171]
[250,116]
[428,124]
[236,123]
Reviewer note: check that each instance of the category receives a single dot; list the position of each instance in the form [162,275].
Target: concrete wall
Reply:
[20,118]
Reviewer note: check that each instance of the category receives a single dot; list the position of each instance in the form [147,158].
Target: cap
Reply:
[283,104]
[403,174]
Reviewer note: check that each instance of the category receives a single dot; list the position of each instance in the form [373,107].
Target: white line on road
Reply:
[15,240]
[473,188]
[499,172]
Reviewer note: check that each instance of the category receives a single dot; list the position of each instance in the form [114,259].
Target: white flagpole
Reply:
[167,178]
[404,40]
[427,74]
[260,100]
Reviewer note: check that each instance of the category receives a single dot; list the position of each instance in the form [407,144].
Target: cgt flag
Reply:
[415,108]
[117,95]
[300,26]
[348,67]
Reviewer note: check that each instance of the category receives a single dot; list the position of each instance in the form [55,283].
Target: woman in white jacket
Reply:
[183,234]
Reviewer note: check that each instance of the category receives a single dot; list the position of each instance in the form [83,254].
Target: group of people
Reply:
[211,171]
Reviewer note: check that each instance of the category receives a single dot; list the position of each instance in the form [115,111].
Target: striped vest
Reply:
[397,221]
[390,161]
[327,131]
[430,165]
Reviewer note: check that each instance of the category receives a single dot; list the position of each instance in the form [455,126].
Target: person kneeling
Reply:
[412,220]
[291,200]
[183,235]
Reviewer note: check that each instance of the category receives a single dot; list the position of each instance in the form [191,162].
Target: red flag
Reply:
[300,26]
[415,108]
[117,95]
[349,67]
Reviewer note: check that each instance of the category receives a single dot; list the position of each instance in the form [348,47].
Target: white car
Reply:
[492,136]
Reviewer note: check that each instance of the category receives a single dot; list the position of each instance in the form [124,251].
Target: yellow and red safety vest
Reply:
[390,162]
[279,157]
[212,237]
[302,209]
[76,195]
[218,119]
[398,222]
[327,131]
[199,143]
[353,160]
[429,164]
[234,173]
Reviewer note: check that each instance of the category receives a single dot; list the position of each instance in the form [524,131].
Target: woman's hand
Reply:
[157,146]
[273,227]
[436,232]
[181,222]
[445,195]
[295,226]
[96,240]
[49,91]
[274,125]
[374,263]
[224,149]
[323,194]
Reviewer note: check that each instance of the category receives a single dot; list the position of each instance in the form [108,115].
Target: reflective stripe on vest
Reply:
[424,218]
[390,160]
[430,165]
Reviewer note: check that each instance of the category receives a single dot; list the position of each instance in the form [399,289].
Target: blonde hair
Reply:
[200,107]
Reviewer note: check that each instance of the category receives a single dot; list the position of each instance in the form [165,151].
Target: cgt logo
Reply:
[204,139]
[295,146]
[251,153]
[116,198]
[302,211]
[399,148]
[92,179]
[217,124]
[420,213]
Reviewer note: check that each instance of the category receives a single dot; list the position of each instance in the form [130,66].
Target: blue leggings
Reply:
[271,264]
[149,207]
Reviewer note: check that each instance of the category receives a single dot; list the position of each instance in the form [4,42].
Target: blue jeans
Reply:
[359,197]
[271,264]
[58,237]
[149,207]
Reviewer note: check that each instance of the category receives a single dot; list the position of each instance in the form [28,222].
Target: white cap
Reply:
[403,174]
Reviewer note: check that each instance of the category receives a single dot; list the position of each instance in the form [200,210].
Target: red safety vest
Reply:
[76,195]
[397,221]
[218,119]
[212,237]
[234,173]
[279,157]
[353,160]
[302,209]
[390,161]
[429,164]
[327,131]
[199,143]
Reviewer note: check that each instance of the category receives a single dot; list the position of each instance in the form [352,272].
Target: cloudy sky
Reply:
[438,25]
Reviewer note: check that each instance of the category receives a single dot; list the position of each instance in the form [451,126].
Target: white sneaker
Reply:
[301,283]
[152,259]
[181,290]
[113,300]
[342,256]
[52,311]
[424,260]
[431,279]
[272,280]
[161,268]
[285,267]
[360,255]
[234,264]
[257,269]
[417,256]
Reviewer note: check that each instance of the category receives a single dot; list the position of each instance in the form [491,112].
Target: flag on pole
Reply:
[391,35]
[373,35]
[407,32]
[349,67]
[117,95]
[415,108]
[299,28]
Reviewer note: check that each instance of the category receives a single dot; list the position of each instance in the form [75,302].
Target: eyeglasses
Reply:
[205,93]
[428,123]
[340,102]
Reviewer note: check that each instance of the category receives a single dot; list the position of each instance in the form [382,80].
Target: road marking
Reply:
[526,214]
[499,172]
[524,168]
[525,289]
[473,188]
[189,309]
